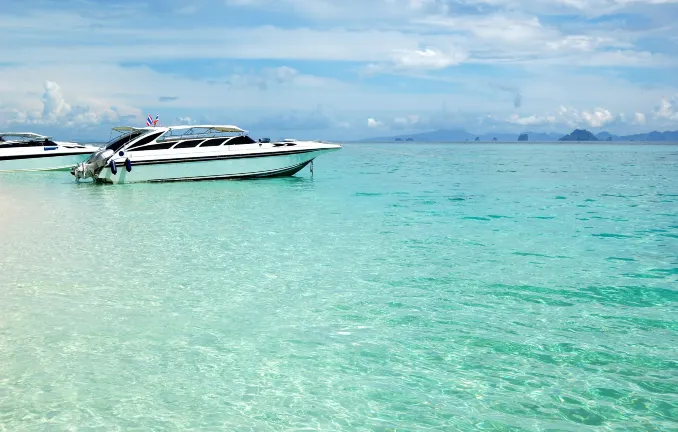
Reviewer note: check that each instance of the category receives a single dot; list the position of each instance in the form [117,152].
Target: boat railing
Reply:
[185,134]
[194,136]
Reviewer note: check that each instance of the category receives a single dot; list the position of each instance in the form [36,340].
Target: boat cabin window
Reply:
[213,142]
[188,144]
[145,140]
[240,139]
[156,146]
[117,144]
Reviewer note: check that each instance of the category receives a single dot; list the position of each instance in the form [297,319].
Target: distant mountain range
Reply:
[460,135]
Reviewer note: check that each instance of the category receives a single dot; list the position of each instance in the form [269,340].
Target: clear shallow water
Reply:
[434,287]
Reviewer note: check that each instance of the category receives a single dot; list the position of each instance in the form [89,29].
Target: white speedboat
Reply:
[174,153]
[26,151]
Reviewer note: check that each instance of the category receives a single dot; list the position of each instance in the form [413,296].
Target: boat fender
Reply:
[128,165]
[114,169]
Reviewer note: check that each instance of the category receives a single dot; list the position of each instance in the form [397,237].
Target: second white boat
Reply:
[205,152]
[27,151]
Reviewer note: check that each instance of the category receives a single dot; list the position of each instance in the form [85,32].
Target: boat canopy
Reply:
[29,135]
[219,128]
[216,128]
[199,131]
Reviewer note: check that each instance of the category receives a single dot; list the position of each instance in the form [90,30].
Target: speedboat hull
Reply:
[212,167]
[55,161]
[195,152]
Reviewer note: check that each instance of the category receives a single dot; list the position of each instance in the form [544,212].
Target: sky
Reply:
[339,69]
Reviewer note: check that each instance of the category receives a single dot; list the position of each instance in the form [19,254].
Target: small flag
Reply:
[157,119]
[149,120]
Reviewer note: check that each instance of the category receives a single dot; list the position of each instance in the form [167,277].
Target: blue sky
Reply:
[340,69]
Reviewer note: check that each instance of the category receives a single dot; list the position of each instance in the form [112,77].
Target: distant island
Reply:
[460,135]
[579,135]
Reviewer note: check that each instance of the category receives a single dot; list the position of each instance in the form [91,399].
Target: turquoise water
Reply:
[428,287]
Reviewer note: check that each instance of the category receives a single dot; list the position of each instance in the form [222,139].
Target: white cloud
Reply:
[184,121]
[497,27]
[588,7]
[427,59]
[372,123]
[380,11]
[568,117]
[608,6]
[532,120]
[596,118]
[639,118]
[125,87]
[502,38]
[495,38]
[667,109]
[585,43]
[57,111]
[561,120]
[407,122]
[347,10]
[419,60]
[277,76]
[629,58]
[54,105]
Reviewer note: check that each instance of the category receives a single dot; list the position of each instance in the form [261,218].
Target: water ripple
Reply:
[442,287]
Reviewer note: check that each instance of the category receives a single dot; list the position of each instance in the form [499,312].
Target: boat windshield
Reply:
[117,143]
[25,140]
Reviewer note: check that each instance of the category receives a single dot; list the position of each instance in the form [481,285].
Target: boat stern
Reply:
[93,165]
